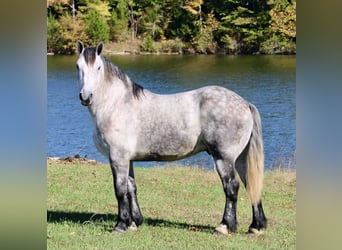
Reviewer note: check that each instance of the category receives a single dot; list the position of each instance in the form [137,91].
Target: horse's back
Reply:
[175,126]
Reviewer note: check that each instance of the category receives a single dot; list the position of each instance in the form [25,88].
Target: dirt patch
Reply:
[74,159]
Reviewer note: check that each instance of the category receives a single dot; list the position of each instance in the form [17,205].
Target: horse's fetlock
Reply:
[138,219]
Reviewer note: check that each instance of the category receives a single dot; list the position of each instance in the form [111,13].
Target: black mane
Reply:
[112,70]
[138,90]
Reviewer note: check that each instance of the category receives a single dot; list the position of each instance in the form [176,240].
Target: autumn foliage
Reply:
[193,26]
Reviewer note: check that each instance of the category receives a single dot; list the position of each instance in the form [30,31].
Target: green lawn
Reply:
[181,207]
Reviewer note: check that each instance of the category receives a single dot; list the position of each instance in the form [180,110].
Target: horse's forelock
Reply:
[89,55]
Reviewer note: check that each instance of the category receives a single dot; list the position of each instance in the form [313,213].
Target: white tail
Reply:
[255,159]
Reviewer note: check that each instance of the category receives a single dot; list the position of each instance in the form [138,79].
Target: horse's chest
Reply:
[100,141]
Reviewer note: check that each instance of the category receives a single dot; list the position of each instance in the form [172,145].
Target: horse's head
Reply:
[90,71]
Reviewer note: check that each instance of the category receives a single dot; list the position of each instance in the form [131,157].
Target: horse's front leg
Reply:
[133,200]
[120,170]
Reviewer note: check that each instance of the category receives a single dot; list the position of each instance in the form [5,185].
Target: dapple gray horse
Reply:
[134,124]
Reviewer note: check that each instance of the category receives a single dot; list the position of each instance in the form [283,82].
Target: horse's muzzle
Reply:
[84,102]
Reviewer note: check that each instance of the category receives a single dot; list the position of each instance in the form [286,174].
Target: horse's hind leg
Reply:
[230,182]
[133,200]
[259,221]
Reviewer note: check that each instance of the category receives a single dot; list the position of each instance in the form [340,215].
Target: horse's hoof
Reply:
[132,227]
[118,230]
[221,230]
[255,231]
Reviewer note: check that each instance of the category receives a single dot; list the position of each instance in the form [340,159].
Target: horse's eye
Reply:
[99,68]
[77,67]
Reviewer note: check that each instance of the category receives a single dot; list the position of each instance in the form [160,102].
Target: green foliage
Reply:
[148,45]
[151,22]
[97,28]
[52,33]
[62,35]
[278,45]
[119,21]
[240,31]
[204,42]
[282,28]
[100,7]
[283,18]
[231,26]
[172,46]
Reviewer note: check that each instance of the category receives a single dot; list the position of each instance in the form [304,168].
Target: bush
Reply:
[148,45]
[278,45]
[230,44]
[97,27]
[52,34]
[204,42]
[172,46]
[63,34]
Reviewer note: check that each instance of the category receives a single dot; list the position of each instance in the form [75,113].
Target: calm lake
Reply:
[269,82]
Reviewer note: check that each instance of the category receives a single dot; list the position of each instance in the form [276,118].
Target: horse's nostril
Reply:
[81,97]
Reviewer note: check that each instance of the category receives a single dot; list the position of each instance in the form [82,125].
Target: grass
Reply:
[181,207]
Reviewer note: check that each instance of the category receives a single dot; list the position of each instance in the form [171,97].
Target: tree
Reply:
[52,33]
[97,28]
[283,18]
[204,42]
[119,20]
[242,28]
[134,18]
[282,28]
[95,14]
[152,21]
[63,34]
[232,26]
[57,7]
[195,8]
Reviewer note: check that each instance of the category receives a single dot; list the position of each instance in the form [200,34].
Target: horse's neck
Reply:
[107,100]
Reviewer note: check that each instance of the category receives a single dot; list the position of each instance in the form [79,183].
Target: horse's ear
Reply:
[99,48]
[80,47]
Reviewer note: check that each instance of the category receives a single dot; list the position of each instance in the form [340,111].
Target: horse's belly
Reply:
[168,147]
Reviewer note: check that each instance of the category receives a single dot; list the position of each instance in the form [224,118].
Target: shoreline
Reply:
[84,160]
[134,48]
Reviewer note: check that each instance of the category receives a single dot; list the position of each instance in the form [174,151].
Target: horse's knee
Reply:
[121,187]
[120,193]
[232,188]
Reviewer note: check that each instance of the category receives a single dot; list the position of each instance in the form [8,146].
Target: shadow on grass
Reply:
[84,218]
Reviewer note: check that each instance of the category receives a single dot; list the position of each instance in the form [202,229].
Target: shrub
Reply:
[204,42]
[148,45]
[278,45]
[63,34]
[52,34]
[97,27]
[172,46]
